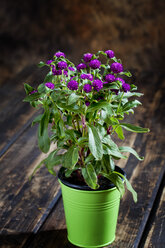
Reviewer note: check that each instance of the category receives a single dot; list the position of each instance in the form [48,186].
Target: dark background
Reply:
[34,30]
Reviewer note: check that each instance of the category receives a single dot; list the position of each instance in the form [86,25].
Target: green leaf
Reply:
[90,176]
[101,52]
[82,141]
[126,73]
[128,185]
[130,94]
[117,181]
[107,164]
[112,164]
[56,115]
[114,153]
[49,162]
[72,98]
[60,129]
[130,150]
[69,120]
[71,157]
[116,60]
[41,88]
[28,88]
[97,166]
[89,158]
[100,105]
[68,172]
[130,188]
[119,132]
[41,64]
[71,135]
[111,148]
[37,119]
[132,128]
[101,131]
[32,97]
[111,86]
[73,107]
[107,140]
[95,144]
[133,87]
[43,138]
[130,105]
[52,160]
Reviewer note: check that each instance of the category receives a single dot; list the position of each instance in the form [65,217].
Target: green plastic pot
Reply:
[91,215]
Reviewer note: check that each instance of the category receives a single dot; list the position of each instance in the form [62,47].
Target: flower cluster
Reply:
[50,85]
[86,77]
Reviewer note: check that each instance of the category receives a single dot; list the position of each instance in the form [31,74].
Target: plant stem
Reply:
[78,126]
[81,156]
[120,102]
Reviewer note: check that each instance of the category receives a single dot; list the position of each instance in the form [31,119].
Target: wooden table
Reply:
[31,213]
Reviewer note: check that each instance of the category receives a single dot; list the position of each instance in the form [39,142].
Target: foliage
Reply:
[84,107]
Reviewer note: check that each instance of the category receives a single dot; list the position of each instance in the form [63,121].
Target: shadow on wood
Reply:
[51,239]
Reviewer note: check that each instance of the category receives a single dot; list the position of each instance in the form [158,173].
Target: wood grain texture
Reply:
[154,235]
[22,203]
[14,113]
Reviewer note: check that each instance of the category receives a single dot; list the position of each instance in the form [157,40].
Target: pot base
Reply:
[106,244]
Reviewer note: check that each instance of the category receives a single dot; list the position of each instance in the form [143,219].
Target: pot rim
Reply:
[62,177]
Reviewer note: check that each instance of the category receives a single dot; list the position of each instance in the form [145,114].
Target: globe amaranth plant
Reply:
[83,107]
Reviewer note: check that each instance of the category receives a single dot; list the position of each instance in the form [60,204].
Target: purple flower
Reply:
[49,62]
[81,66]
[110,53]
[32,92]
[87,57]
[62,65]
[116,67]
[110,78]
[50,85]
[72,85]
[56,72]
[87,88]
[87,76]
[126,87]
[71,68]
[87,103]
[65,73]
[59,54]
[95,64]
[97,84]
[120,79]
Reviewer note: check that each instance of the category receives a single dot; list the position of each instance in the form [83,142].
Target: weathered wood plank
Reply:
[145,177]
[155,234]
[24,205]
[14,114]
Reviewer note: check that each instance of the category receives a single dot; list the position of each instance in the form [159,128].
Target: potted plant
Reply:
[83,109]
